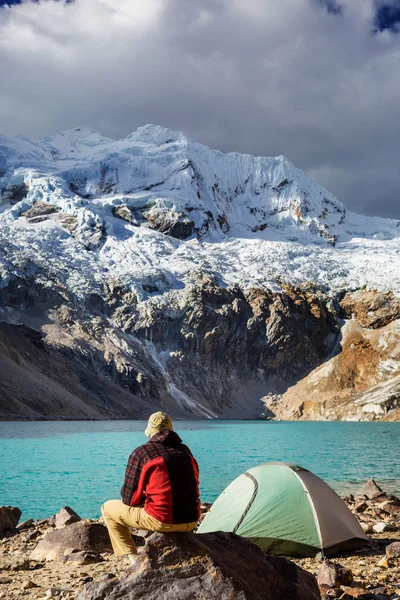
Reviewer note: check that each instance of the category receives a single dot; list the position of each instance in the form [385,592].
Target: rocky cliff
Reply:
[153,272]
[362,380]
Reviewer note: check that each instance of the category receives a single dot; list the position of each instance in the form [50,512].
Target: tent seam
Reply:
[316,519]
[255,482]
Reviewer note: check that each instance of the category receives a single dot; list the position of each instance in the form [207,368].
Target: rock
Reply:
[393,550]
[333,574]
[383,563]
[42,522]
[84,558]
[92,537]
[391,508]
[360,506]
[382,526]
[21,565]
[27,584]
[107,576]
[370,489]
[40,209]
[210,566]
[367,527]
[9,517]
[32,535]
[372,309]
[379,590]
[356,592]
[57,591]
[66,516]
[26,524]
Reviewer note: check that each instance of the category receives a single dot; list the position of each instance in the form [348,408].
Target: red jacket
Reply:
[163,476]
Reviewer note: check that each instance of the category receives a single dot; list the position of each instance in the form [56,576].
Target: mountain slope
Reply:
[195,280]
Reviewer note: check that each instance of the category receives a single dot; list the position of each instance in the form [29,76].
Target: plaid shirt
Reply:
[161,444]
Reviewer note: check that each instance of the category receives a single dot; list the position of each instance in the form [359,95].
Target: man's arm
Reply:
[132,476]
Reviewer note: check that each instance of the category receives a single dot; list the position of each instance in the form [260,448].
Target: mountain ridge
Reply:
[194,281]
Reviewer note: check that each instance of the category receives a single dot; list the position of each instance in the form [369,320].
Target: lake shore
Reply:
[375,575]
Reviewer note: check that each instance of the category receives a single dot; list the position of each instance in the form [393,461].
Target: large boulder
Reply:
[9,517]
[92,537]
[206,566]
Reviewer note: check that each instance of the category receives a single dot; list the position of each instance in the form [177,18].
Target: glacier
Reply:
[155,209]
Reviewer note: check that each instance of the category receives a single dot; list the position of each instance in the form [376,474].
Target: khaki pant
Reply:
[119,517]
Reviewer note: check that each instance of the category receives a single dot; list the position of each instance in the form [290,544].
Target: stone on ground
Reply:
[9,517]
[83,557]
[333,575]
[393,550]
[92,537]
[66,516]
[26,524]
[381,527]
[370,489]
[209,566]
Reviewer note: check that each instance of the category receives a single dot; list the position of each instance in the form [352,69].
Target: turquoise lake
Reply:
[46,465]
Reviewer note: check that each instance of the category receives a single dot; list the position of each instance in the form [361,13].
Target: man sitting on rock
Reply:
[160,491]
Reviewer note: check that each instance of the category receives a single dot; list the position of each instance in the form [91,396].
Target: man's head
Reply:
[158,421]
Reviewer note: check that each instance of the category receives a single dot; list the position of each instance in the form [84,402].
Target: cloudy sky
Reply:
[315,80]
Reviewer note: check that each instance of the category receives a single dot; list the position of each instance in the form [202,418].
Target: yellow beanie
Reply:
[158,421]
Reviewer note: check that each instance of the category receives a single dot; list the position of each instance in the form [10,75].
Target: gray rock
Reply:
[66,516]
[393,550]
[92,537]
[206,566]
[333,574]
[83,557]
[381,527]
[370,489]
[40,209]
[26,524]
[9,517]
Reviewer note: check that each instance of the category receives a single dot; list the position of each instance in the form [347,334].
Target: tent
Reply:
[285,509]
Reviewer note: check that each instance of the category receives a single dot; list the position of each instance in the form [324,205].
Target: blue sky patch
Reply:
[387,16]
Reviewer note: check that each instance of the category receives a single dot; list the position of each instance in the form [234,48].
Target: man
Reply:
[160,491]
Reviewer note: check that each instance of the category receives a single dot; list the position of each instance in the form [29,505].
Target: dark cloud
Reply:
[290,79]
[387,16]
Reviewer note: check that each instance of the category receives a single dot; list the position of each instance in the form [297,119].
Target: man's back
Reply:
[163,475]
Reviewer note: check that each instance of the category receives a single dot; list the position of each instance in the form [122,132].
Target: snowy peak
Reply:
[156,206]
[173,180]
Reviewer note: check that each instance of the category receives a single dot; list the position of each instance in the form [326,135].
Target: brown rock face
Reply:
[230,340]
[91,537]
[9,517]
[371,309]
[214,351]
[361,382]
[210,566]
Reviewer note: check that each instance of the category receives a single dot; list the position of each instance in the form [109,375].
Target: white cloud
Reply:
[268,78]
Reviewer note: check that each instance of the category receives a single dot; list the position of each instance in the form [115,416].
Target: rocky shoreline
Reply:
[67,557]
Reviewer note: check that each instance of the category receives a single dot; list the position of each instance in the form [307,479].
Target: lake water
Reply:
[46,465]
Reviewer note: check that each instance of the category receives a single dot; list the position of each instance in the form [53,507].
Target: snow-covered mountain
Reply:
[153,272]
[157,205]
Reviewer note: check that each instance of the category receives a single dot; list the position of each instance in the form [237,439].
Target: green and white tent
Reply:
[285,509]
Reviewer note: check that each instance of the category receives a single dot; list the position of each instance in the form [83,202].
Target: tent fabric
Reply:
[285,509]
